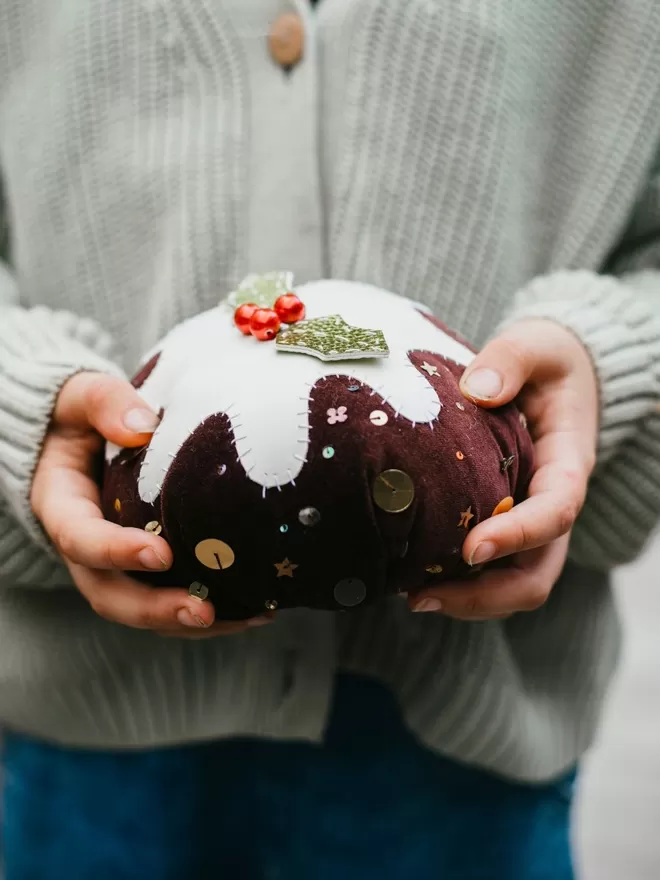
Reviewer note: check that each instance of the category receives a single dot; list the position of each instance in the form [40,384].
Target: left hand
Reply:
[553,373]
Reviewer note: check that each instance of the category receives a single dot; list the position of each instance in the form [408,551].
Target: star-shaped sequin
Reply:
[466,516]
[430,369]
[285,568]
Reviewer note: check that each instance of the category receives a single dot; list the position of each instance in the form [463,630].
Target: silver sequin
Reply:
[350,592]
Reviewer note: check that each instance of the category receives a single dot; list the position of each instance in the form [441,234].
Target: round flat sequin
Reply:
[214,553]
[284,529]
[117,505]
[271,604]
[434,569]
[353,387]
[460,406]
[154,527]
[309,516]
[199,591]
[350,592]
[222,470]
[460,456]
[328,452]
[378,417]
[393,491]
[505,505]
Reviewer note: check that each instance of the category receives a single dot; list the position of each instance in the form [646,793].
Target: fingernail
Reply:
[187,618]
[259,621]
[148,558]
[428,605]
[483,384]
[141,421]
[482,553]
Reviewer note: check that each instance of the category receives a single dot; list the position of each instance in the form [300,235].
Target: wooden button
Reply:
[393,491]
[287,40]
[214,553]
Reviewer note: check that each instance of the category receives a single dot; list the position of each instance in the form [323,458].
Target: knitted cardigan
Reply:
[492,159]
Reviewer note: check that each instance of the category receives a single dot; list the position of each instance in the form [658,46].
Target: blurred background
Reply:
[617,819]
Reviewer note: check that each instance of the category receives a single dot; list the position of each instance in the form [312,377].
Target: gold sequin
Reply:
[505,505]
[460,456]
[154,527]
[117,505]
[393,491]
[430,368]
[285,568]
[214,553]
[378,417]
[466,516]
[434,569]
[198,591]
[271,604]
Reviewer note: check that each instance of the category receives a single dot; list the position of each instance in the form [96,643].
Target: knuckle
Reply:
[516,352]
[65,541]
[521,537]
[99,391]
[147,618]
[567,515]
[473,607]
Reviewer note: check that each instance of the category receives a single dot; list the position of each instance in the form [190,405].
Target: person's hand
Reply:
[65,498]
[552,372]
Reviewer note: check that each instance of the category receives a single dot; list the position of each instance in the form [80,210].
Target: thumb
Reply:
[498,373]
[108,404]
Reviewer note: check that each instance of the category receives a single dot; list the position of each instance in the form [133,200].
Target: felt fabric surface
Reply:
[271,474]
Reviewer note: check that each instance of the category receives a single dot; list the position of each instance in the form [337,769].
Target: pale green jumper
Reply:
[492,159]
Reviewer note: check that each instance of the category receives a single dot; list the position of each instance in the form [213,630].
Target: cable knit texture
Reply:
[494,159]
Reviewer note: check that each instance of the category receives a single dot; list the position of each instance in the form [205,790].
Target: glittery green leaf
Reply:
[262,290]
[331,339]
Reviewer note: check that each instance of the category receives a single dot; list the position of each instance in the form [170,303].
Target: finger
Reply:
[69,511]
[108,404]
[505,365]
[523,586]
[220,628]
[556,496]
[120,599]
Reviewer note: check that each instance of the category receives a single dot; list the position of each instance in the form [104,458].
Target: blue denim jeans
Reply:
[370,803]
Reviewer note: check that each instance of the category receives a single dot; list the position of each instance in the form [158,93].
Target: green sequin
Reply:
[328,452]
[262,290]
[331,339]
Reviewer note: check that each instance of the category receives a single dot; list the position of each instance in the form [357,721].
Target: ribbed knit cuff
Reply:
[619,324]
[39,351]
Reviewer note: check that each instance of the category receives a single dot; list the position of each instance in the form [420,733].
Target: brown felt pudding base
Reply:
[335,539]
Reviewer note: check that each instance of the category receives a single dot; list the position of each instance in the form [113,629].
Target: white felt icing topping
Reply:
[207,367]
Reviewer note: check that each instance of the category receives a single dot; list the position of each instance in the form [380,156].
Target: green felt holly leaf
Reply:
[262,290]
[331,339]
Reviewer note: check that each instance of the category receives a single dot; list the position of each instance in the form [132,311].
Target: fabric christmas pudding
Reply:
[314,450]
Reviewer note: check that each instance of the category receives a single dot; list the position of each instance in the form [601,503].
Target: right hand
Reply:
[65,498]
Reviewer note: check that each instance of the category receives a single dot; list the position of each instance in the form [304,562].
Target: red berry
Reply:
[264,324]
[289,308]
[243,316]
